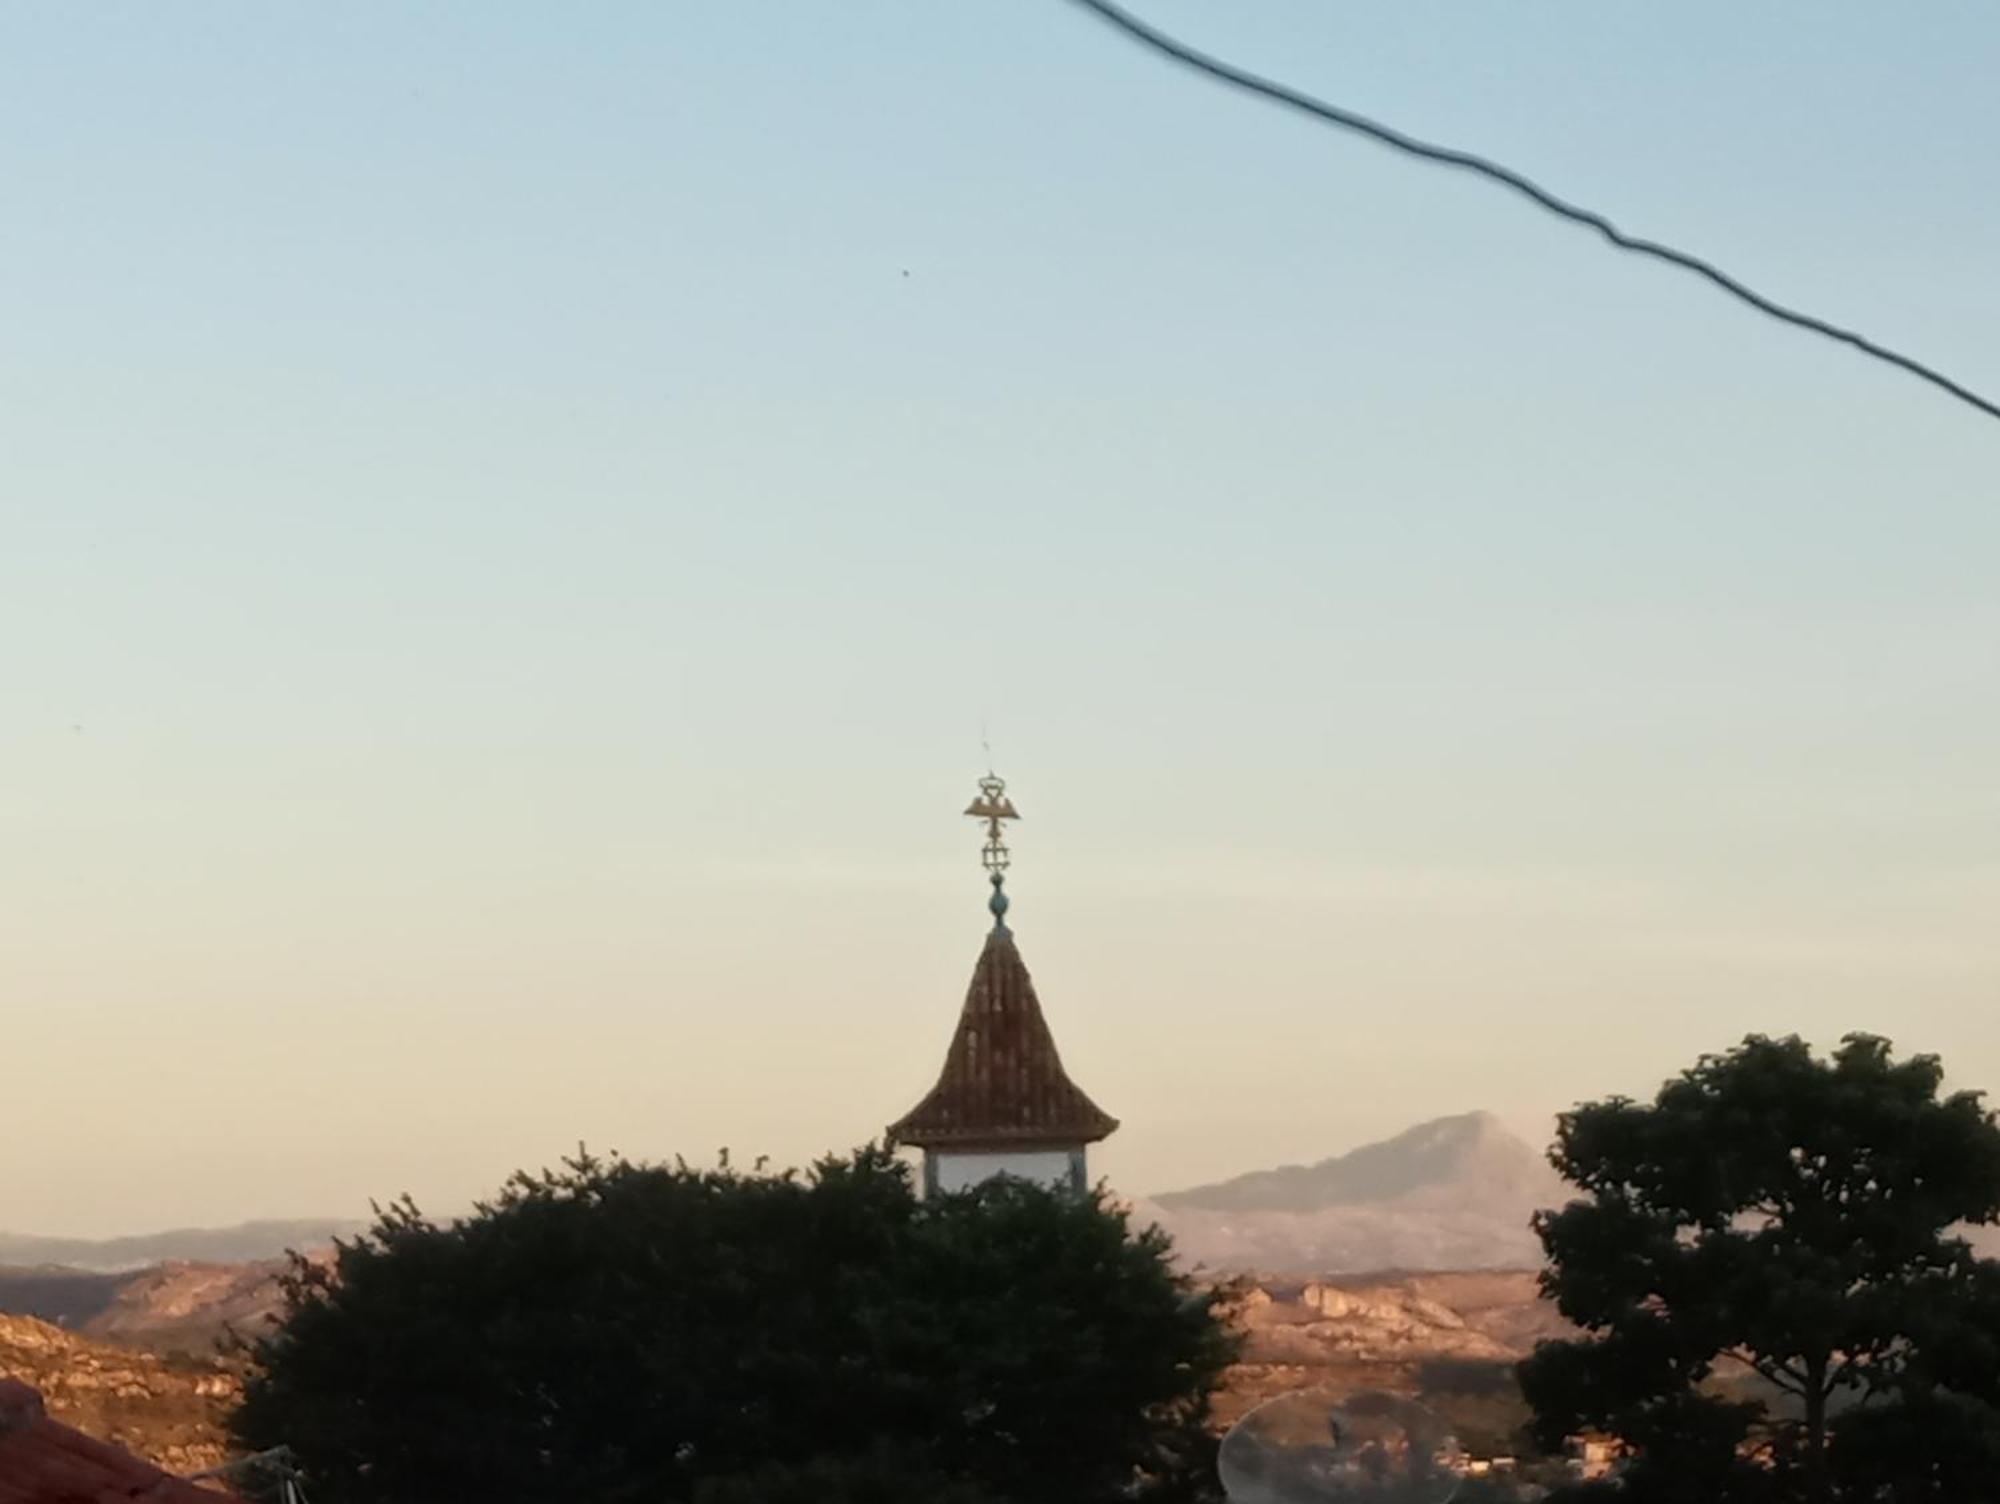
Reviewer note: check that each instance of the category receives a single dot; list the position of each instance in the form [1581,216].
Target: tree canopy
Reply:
[614,1331]
[1768,1265]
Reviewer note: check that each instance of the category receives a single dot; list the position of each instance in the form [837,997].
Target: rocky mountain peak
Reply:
[1470,1153]
[1453,1193]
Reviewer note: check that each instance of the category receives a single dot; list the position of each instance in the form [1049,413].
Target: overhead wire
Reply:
[1242,78]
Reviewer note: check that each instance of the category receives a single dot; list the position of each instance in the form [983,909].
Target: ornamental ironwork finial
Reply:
[993,806]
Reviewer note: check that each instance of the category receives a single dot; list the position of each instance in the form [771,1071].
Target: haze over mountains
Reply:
[1454,1193]
[122,1340]
[244,1243]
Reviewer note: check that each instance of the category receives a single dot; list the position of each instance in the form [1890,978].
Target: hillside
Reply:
[1450,1338]
[169,1308]
[185,1308]
[168,1411]
[1455,1193]
[1447,1337]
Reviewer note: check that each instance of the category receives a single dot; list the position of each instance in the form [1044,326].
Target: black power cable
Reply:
[1242,78]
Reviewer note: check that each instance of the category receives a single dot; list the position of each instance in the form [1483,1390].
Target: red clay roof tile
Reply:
[1003,1084]
[45,1462]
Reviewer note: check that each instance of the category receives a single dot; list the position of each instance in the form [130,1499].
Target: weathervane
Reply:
[993,806]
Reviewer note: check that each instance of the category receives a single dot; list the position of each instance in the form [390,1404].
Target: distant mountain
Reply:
[163,1308]
[1455,1193]
[1470,1152]
[245,1243]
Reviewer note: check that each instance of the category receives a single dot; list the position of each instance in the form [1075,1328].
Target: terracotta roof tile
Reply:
[45,1462]
[1003,1084]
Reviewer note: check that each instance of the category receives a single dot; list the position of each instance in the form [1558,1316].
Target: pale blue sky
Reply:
[503,574]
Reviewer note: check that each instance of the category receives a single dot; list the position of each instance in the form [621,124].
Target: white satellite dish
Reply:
[1320,1447]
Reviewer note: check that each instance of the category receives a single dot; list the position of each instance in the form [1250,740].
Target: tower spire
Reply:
[1003,1104]
[993,806]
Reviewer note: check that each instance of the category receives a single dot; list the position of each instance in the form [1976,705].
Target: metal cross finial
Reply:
[993,806]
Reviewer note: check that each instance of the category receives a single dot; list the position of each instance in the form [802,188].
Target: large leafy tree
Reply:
[1767,1263]
[617,1332]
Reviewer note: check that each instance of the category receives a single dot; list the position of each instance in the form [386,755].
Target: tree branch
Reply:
[1792,1383]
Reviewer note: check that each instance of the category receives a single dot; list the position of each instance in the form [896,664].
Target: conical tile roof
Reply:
[1003,1084]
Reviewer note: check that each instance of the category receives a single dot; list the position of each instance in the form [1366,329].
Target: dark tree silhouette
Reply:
[1767,1262]
[617,1332]
[883,1476]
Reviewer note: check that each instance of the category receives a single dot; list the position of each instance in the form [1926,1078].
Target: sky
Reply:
[515,522]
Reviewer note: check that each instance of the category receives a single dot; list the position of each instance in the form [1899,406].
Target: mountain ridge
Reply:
[1443,1152]
[246,1242]
[1454,1193]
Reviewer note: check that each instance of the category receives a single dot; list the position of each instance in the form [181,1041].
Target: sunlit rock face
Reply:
[170,1413]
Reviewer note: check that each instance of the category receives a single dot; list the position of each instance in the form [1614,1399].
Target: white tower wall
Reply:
[949,1170]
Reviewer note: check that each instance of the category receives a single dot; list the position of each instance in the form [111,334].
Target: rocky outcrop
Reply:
[1487,1316]
[169,1411]
[187,1308]
[1427,1334]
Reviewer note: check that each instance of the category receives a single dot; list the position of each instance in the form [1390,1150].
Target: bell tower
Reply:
[1003,1104]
